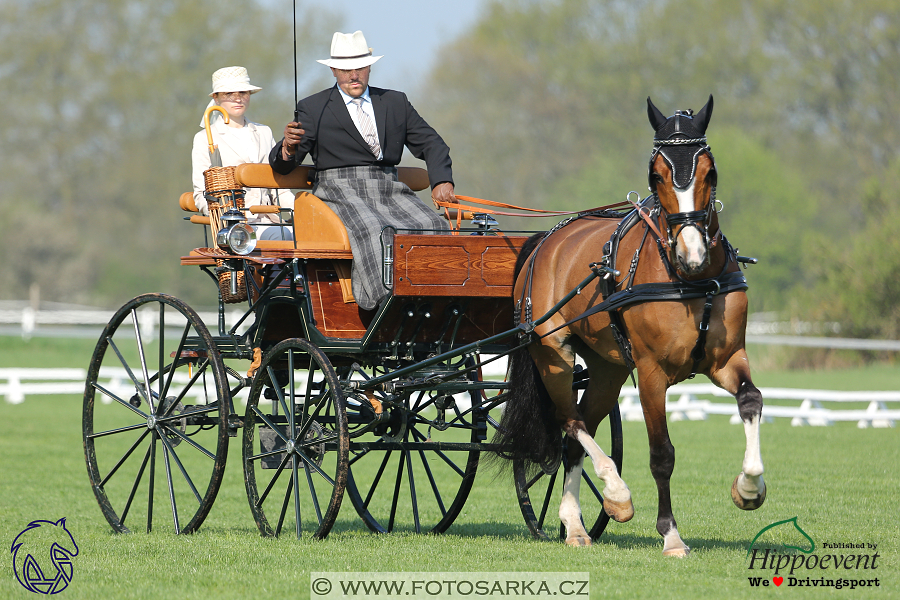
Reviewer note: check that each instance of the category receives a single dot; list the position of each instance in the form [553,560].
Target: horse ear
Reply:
[657,119]
[701,119]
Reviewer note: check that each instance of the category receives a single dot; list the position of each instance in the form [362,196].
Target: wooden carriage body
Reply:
[447,290]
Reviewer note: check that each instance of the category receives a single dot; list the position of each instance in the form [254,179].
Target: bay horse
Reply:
[668,301]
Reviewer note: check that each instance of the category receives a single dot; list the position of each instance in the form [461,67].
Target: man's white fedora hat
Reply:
[349,51]
[232,79]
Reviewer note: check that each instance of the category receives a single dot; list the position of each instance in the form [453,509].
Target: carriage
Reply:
[388,406]
[391,406]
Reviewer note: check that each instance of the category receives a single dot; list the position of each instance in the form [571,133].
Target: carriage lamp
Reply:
[484,222]
[235,234]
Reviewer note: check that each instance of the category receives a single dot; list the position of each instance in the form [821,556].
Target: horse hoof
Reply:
[578,541]
[619,511]
[744,503]
[679,552]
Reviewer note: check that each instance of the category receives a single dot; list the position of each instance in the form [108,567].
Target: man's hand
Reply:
[443,192]
[293,133]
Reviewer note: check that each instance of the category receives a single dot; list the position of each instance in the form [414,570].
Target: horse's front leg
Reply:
[662,459]
[748,491]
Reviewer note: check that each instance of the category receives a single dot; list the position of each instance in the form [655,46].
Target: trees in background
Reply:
[102,102]
[544,103]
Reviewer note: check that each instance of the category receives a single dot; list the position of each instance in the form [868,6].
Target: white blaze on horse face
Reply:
[690,245]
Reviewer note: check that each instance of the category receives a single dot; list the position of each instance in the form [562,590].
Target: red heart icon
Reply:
[778,580]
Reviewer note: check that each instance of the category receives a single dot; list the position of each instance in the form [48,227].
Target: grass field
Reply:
[841,483]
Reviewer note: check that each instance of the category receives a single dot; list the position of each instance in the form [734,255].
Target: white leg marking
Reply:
[750,483]
[673,544]
[605,468]
[570,507]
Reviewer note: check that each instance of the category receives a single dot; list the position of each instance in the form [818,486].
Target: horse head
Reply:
[682,174]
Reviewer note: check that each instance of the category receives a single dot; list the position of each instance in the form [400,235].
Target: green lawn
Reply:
[840,482]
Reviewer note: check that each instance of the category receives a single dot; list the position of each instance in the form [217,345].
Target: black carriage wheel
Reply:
[295,460]
[540,494]
[155,416]
[400,476]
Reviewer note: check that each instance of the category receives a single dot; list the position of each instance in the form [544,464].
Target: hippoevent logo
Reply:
[42,556]
[797,562]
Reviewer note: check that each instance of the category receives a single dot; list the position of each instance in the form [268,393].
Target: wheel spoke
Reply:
[187,478]
[137,386]
[312,490]
[396,491]
[265,494]
[125,457]
[548,496]
[284,505]
[316,468]
[387,456]
[433,483]
[169,483]
[124,403]
[295,481]
[137,481]
[441,455]
[119,430]
[162,349]
[201,370]
[289,412]
[152,473]
[140,349]
[412,492]
[271,425]
[534,480]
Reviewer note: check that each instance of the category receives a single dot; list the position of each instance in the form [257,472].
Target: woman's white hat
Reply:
[349,51]
[232,79]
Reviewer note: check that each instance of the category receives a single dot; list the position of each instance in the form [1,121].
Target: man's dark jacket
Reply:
[332,140]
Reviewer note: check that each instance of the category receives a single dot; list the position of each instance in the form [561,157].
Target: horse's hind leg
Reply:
[570,506]
[748,491]
[598,400]
[555,363]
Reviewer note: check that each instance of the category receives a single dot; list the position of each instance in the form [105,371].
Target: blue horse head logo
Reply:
[42,556]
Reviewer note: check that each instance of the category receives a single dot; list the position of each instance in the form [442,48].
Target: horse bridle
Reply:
[675,223]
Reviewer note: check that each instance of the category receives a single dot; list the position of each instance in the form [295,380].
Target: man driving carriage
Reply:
[355,135]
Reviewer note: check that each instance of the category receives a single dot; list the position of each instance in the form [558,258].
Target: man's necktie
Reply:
[367,127]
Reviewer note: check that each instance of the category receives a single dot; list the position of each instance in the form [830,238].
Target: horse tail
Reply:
[528,430]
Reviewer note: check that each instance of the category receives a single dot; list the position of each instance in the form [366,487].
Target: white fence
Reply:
[684,401]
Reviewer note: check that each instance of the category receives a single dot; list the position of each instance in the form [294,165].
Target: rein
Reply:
[447,206]
[681,289]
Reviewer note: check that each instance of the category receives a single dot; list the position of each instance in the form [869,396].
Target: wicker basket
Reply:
[221,183]
[225,285]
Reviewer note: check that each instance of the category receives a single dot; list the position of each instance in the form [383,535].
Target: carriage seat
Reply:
[316,226]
